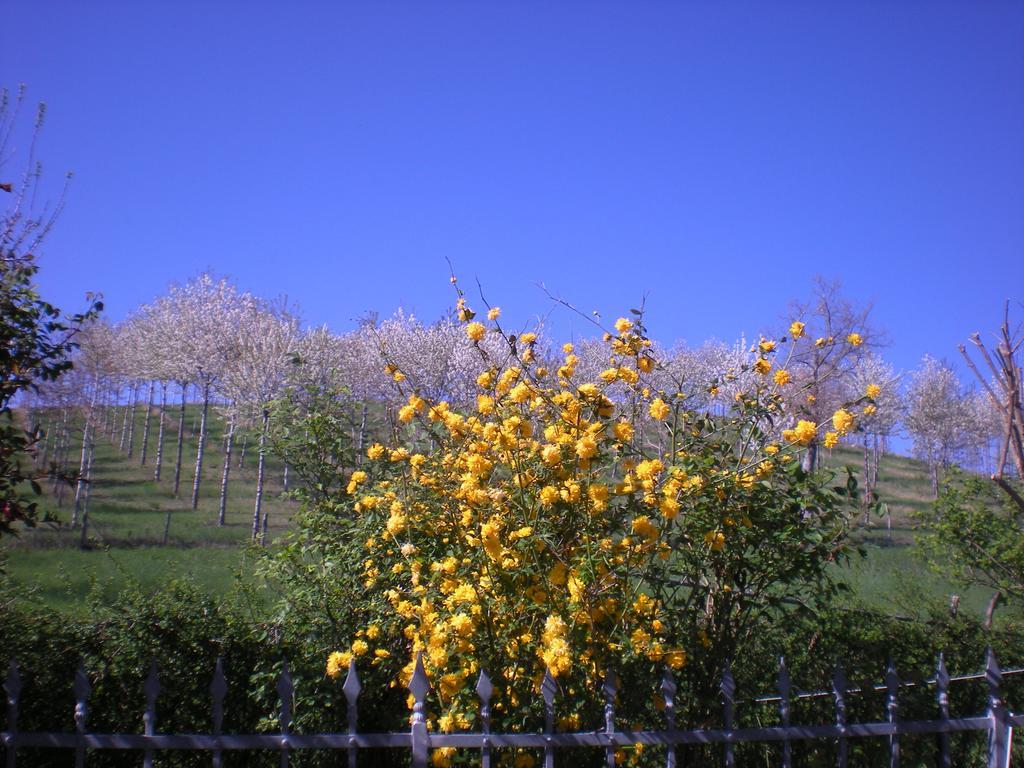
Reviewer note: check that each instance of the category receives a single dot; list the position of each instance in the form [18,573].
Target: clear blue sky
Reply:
[713,156]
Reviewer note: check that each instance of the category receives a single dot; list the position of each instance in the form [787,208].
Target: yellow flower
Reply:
[803,433]
[869,409]
[762,366]
[551,454]
[855,339]
[475,331]
[375,451]
[649,469]
[586,447]
[831,439]
[715,540]
[766,345]
[548,495]
[645,364]
[659,409]
[782,377]
[406,414]
[622,325]
[623,431]
[337,663]
[675,658]
[642,526]
[360,647]
[357,477]
[598,494]
[771,449]
[873,391]
[442,757]
[796,329]
[494,313]
[842,420]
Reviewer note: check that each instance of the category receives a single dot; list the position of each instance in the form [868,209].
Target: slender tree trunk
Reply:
[228,445]
[145,428]
[810,461]
[113,416]
[874,465]
[160,431]
[43,449]
[84,538]
[60,458]
[362,429]
[259,478]
[131,421]
[167,525]
[86,432]
[933,474]
[241,453]
[80,483]
[284,480]
[124,425]
[199,450]
[181,440]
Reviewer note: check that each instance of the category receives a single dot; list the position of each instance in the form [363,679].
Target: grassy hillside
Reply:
[891,578]
[128,512]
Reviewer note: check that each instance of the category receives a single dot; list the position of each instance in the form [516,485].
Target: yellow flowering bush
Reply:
[575,527]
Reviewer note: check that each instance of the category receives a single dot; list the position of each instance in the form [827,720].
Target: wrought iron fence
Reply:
[996,722]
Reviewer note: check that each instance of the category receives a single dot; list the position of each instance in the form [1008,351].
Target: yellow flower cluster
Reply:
[531,531]
[802,434]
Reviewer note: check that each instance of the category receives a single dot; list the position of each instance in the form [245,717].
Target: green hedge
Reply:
[186,631]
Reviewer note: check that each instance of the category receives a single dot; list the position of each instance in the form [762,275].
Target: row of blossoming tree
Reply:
[207,342]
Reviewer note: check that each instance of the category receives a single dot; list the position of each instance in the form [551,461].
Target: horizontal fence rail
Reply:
[997,722]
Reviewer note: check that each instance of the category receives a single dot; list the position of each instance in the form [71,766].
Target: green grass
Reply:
[891,577]
[128,511]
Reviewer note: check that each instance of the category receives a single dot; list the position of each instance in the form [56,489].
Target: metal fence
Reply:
[996,722]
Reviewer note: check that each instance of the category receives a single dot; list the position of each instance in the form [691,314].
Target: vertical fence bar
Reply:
[218,690]
[892,684]
[484,690]
[728,702]
[998,751]
[610,688]
[152,690]
[285,689]
[785,689]
[839,694]
[12,687]
[419,686]
[548,688]
[82,690]
[942,700]
[351,689]
[668,692]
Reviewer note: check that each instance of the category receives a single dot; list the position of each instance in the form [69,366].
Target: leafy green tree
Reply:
[976,534]
[36,339]
[977,524]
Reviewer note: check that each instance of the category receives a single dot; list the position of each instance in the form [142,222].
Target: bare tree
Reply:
[830,335]
[1005,391]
